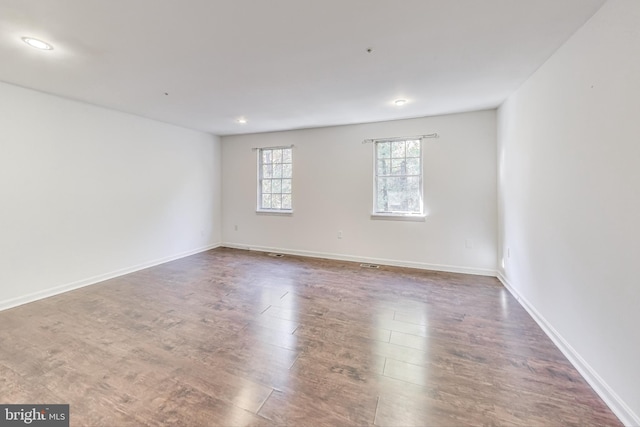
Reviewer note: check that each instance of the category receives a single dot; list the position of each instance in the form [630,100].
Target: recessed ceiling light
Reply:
[38,44]
[400,102]
[242,120]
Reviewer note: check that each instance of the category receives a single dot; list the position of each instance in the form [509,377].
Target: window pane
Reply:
[384,167]
[266,156]
[398,167]
[286,170]
[276,201]
[277,156]
[392,190]
[395,185]
[286,155]
[266,201]
[266,186]
[276,186]
[266,171]
[397,149]
[382,204]
[413,166]
[277,170]
[413,148]
[398,194]
[286,201]
[286,186]
[413,205]
[384,149]
[413,183]
[413,194]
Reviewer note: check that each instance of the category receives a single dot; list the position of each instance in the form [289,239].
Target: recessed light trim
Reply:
[400,102]
[37,44]
[242,121]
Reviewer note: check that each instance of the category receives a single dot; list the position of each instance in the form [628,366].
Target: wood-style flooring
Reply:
[235,338]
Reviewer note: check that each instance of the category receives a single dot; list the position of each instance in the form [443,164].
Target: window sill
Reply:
[274,212]
[398,217]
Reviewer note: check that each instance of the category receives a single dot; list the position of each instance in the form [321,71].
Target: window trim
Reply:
[259,164]
[398,215]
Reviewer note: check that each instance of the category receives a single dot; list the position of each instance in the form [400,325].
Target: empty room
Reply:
[330,213]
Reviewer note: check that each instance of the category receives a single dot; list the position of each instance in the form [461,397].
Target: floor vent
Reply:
[369,266]
[275,255]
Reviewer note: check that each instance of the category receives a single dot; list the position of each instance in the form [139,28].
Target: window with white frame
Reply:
[275,172]
[398,177]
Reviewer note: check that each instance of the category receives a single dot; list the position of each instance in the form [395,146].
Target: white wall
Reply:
[569,200]
[87,193]
[333,191]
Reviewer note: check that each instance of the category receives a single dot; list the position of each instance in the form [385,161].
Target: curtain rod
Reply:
[402,138]
[272,148]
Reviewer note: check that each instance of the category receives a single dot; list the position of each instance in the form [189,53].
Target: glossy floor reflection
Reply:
[230,337]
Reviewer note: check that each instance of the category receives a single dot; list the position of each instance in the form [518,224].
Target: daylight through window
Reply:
[398,177]
[274,182]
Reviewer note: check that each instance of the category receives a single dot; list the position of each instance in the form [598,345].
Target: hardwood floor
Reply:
[230,337]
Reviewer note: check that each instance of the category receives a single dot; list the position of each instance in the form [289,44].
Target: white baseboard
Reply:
[613,401]
[390,262]
[24,299]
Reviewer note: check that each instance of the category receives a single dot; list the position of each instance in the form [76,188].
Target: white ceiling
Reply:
[283,64]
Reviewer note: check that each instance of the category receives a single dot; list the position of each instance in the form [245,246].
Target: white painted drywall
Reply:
[569,200]
[333,191]
[87,193]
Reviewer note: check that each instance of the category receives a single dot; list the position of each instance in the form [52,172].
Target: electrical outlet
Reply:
[235,228]
[468,243]
[340,234]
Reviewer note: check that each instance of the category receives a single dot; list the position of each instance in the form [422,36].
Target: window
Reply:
[398,177]
[274,179]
